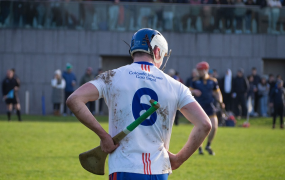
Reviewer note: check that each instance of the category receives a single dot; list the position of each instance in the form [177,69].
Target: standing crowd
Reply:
[253,94]
[257,95]
[236,16]
[64,84]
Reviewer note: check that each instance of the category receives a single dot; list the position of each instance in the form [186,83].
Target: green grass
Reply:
[48,147]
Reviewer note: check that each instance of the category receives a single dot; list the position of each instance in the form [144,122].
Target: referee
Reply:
[9,86]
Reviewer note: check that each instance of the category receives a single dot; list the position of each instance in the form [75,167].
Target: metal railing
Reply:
[107,16]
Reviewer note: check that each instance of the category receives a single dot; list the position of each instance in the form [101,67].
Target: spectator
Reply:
[194,14]
[239,12]
[279,77]
[194,74]
[215,74]
[17,89]
[30,13]
[179,78]
[218,15]
[5,10]
[240,89]
[226,84]
[70,80]
[273,12]
[19,11]
[57,14]
[226,13]
[277,101]
[263,90]
[271,82]
[249,15]
[256,81]
[9,86]
[57,97]
[114,15]
[207,15]
[88,76]
[251,94]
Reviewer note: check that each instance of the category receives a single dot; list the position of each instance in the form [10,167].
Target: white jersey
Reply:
[127,91]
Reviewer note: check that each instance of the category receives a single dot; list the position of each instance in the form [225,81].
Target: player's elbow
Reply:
[70,100]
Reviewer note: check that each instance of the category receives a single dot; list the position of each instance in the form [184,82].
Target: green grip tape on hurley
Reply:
[154,106]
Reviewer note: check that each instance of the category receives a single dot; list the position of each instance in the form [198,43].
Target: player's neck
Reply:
[206,76]
[143,59]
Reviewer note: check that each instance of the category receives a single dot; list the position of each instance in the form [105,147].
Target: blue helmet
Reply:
[144,40]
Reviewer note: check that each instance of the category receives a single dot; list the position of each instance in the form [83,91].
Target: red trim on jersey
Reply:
[143,163]
[142,66]
[148,68]
[149,163]
[146,163]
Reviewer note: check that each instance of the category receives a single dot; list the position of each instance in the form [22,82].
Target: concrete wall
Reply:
[36,54]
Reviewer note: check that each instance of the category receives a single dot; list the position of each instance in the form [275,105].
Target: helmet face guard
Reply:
[145,40]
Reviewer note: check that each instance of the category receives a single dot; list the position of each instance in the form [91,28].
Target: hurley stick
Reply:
[94,159]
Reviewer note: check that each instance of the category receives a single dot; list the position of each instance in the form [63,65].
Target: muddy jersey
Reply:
[127,91]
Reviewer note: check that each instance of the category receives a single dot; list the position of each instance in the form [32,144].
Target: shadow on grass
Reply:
[49,118]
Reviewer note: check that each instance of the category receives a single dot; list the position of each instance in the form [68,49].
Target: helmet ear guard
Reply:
[159,41]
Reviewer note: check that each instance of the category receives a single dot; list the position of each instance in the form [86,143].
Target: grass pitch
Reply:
[47,148]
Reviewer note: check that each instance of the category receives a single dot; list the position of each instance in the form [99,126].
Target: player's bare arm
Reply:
[76,102]
[218,96]
[202,126]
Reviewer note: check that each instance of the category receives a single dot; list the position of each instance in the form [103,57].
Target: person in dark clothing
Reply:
[256,81]
[250,94]
[9,86]
[88,76]
[277,101]
[240,89]
[271,82]
[194,74]
[5,11]
[70,80]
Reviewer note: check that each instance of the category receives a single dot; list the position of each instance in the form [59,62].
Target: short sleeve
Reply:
[185,97]
[216,85]
[100,85]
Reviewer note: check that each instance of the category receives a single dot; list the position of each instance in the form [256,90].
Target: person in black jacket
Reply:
[277,101]
[9,86]
[240,89]
[256,81]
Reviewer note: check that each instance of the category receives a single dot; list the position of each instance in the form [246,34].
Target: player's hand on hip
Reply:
[174,161]
[107,144]
[197,92]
